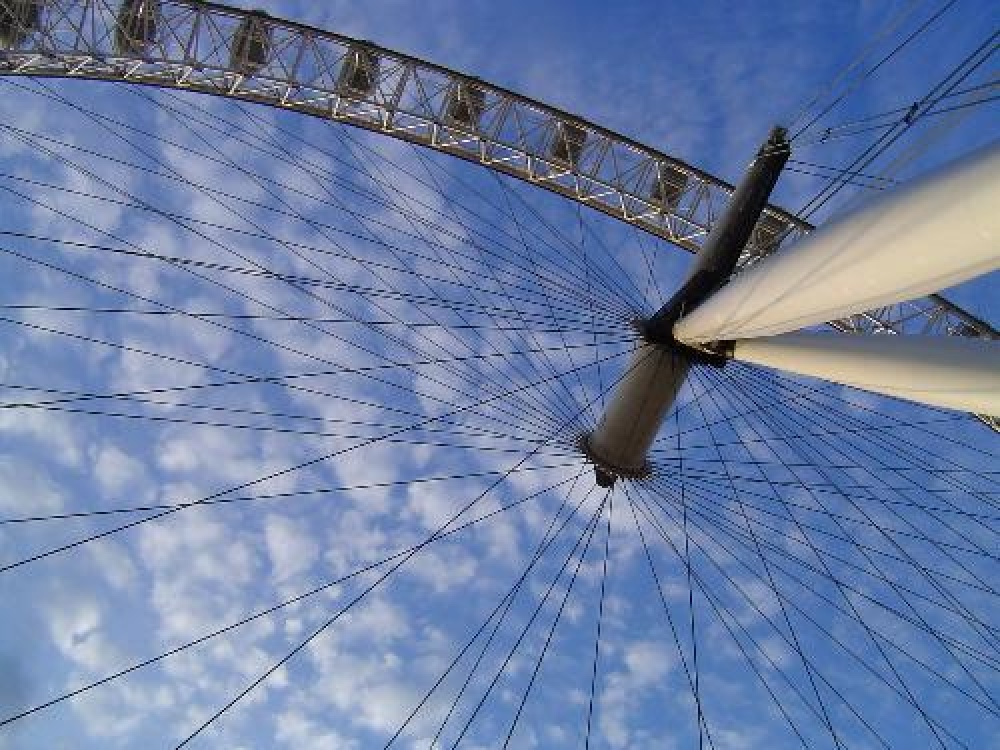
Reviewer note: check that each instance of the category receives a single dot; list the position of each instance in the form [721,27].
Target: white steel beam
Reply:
[954,373]
[930,234]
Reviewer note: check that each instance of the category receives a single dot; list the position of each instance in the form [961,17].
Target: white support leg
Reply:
[956,373]
[927,235]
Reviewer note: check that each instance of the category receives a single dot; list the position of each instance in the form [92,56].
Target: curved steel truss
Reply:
[248,55]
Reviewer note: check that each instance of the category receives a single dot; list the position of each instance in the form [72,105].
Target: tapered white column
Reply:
[922,237]
[633,415]
[949,371]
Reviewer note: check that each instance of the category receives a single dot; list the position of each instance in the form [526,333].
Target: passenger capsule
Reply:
[359,73]
[567,146]
[669,186]
[465,104]
[251,48]
[135,29]
[18,19]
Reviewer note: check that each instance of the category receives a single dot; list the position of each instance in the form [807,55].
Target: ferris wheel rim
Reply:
[123,66]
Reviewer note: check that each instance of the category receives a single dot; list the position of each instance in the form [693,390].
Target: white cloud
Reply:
[290,546]
[115,469]
[76,626]
[648,662]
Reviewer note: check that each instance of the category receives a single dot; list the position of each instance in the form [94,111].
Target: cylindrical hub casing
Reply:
[636,410]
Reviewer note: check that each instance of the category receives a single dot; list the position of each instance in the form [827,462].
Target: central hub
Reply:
[619,445]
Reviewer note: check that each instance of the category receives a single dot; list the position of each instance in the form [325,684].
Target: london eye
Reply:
[351,400]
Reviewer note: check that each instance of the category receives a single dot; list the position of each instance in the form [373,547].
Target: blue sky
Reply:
[703,81]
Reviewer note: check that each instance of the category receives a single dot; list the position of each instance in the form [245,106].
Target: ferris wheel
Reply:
[366,403]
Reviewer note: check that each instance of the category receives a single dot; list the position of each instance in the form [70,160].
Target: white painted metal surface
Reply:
[636,409]
[955,373]
[930,234]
